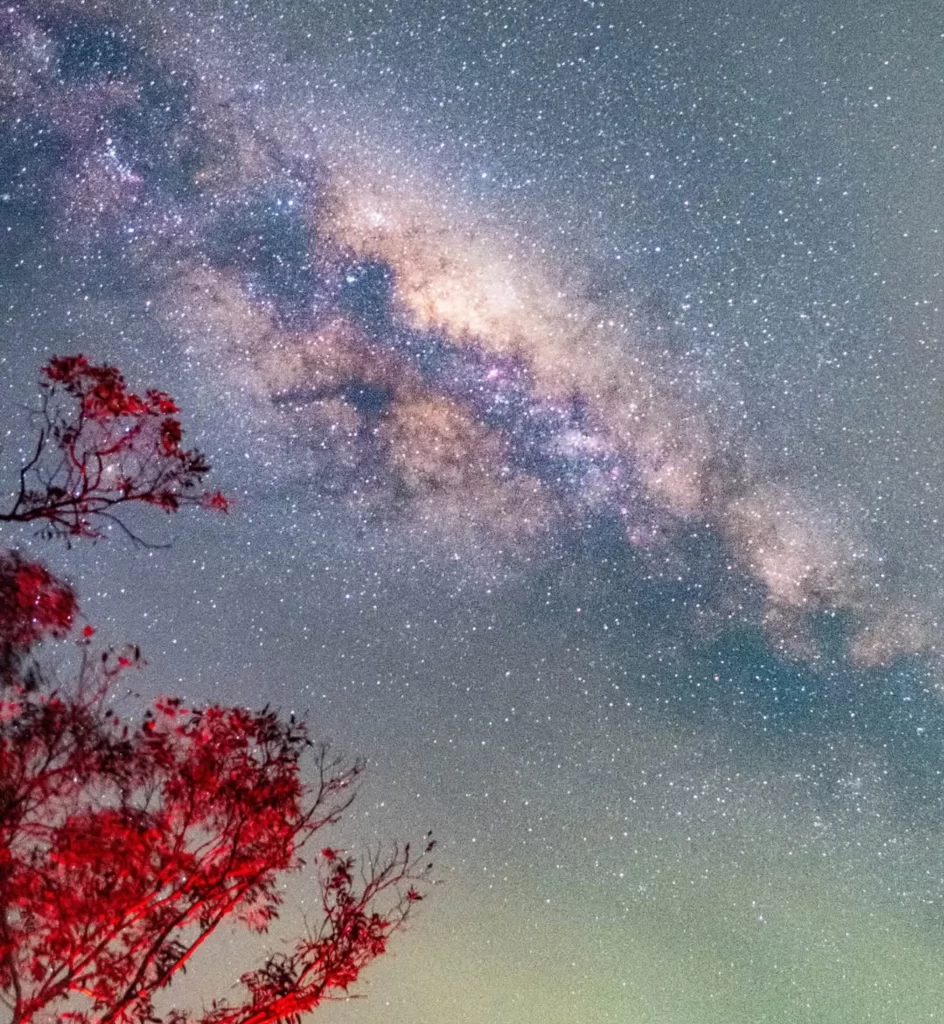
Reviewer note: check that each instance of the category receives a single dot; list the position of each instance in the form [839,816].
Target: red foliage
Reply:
[100,446]
[124,846]
[34,604]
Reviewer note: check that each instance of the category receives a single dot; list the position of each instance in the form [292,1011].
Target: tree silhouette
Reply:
[126,844]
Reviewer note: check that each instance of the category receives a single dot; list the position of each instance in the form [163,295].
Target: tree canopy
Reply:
[127,841]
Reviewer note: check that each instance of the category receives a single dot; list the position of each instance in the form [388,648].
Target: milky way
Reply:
[574,370]
[434,368]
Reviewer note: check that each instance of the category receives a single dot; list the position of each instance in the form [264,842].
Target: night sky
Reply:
[575,369]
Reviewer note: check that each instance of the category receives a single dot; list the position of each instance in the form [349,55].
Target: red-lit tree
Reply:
[125,845]
[34,604]
[99,447]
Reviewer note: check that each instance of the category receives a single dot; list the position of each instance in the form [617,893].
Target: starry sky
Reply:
[575,371]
